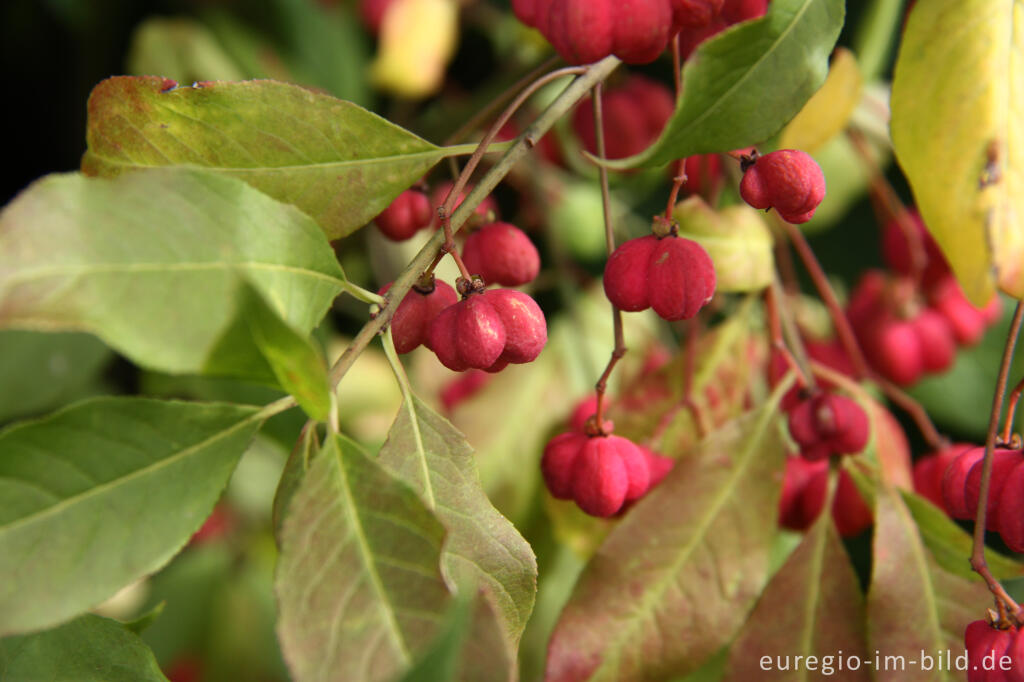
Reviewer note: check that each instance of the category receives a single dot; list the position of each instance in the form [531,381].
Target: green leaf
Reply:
[957,105]
[674,580]
[742,86]
[735,237]
[103,493]
[88,649]
[182,49]
[950,545]
[149,262]
[914,606]
[298,367]
[813,607]
[482,547]
[336,161]
[44,371]
[359,584]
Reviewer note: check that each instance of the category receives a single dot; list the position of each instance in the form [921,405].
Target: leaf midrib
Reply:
[45,272]
[747,75]
[655,596]
[430,154]
[137,473]
[359,533]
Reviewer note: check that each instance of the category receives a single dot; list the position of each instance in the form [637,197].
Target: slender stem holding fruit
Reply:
[916,411]
[839,321]
[609,236]
[849,340]
[680,176]
[1011,411]
[774,301]
[978,562]
[888,206]
[477,119]
[474,160]
[575,91]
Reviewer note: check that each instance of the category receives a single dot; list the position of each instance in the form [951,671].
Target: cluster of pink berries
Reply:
[602,472]
[906,328]
[951,478]
[804,487]
[489,328]
[412,211]
[584,31]
[994,654]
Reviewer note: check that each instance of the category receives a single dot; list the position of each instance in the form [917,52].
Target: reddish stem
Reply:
[821,283]
[849,340]
[978,562]
[609,235]
[888,207]
[772,305]
[1011,411]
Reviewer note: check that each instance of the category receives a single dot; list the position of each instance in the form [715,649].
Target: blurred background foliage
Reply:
[217,615]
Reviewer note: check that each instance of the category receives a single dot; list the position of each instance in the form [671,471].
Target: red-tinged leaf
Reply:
[915,608]
[812,608]
[359,586]
[338,162]
[482,547]
[673,582]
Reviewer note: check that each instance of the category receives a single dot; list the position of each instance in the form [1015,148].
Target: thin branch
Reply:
[839,321]
[978,562]
[479,117]
[575,91]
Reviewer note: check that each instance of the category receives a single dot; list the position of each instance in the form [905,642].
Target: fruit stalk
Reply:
[978,562]
[609,236]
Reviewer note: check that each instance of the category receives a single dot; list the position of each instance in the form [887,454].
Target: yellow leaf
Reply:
[826,113]
[417,38]
[957,119]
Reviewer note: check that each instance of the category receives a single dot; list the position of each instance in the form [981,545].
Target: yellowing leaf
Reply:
[957,121]
[826,113]
[735,237]
[417,38]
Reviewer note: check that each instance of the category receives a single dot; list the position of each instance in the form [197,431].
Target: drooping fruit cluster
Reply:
[826,352]
[416,311]
[602,473]
[905,336]
[673,275]
[584,31]
[405,216]
[827,424]
[634,115]
[788,180]
[488,330]
[804,488]
[961,492]
[501,253]
[994,654]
